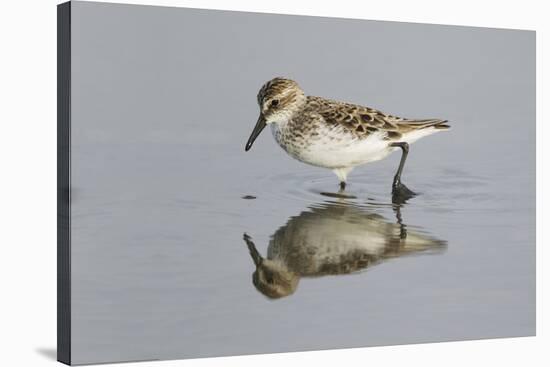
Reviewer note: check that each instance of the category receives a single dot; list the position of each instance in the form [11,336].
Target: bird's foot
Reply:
[341,194]
[401,193]
[338,195]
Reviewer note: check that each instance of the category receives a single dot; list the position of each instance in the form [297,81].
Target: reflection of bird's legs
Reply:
[402,227]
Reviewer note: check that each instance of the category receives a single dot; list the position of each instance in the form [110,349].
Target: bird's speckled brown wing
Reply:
[363,121]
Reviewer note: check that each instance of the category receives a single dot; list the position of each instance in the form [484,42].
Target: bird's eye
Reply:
[275,103]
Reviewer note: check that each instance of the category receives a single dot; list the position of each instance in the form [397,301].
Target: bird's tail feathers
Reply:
[422,124]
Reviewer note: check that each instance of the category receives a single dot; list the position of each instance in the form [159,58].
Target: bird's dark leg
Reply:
[342,185]
[400,192]
[341,194]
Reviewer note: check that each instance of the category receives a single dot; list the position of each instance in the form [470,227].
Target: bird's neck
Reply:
[297,109]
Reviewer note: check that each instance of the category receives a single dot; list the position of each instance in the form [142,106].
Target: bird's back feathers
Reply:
[363,121]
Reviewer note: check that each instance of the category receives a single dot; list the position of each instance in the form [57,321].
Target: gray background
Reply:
[163,100]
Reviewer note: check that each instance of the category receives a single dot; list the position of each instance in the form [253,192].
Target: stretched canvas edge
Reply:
[63,183]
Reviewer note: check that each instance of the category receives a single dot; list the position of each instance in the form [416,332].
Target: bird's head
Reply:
[279,99]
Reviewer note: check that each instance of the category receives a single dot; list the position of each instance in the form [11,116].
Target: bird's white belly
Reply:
[333,149]
[346,154]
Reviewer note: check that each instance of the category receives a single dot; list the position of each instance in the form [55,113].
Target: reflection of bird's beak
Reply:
[260,125]
[256,257]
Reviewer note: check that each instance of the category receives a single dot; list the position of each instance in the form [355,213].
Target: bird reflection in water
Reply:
[332,239]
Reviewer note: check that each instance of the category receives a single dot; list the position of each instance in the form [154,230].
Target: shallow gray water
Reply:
[159,265]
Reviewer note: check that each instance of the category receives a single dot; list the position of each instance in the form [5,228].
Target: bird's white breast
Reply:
[331,147]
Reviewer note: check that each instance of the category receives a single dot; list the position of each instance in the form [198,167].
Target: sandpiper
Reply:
[336,135]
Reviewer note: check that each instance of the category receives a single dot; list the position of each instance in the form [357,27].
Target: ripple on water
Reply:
[311,186]
[447,191]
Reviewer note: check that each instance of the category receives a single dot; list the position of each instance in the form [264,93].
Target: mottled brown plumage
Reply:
[363,121]
[358,120]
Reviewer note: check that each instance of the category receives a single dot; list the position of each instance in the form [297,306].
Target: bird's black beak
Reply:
[256,257]
[260,125]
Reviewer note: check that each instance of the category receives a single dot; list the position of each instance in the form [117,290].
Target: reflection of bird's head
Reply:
[274,280]
[271,278]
